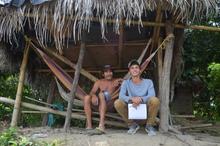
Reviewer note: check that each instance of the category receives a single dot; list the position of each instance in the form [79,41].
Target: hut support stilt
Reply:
[17,105]
[164,88]
[75,81]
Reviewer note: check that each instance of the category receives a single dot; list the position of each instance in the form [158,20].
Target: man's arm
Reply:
[122,93]
[150,93]
[94,88]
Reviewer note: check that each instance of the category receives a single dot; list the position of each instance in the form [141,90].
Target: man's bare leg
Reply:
[102,111]
[88,111]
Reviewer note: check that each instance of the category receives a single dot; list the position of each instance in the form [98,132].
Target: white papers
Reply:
[139,112]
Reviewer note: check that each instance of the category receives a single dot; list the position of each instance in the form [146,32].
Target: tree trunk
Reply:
[164,89]
[177,64]
[75,82]
[17,105]
[49,99]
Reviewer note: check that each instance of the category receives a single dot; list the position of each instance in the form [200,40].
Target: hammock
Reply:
[59,73]
[67,80]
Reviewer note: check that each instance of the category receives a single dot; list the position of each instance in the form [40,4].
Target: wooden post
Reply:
[20,87]
[156,31]
[49,99]
[120,45]
[159,64]
[75,81]
[177,63]
[164,89]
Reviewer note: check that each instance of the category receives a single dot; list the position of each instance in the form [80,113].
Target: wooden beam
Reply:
[68,62]
[154,24]
[196,126]
[72,71]
[115,45]
[156,31]
[17,104]
[183,116]
[120,44]
[75,82]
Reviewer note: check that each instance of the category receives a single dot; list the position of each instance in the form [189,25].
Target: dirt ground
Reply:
[113,137]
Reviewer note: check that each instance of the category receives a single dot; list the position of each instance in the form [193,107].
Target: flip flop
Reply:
[101,130]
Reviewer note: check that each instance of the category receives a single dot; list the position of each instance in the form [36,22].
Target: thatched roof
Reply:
[61,18]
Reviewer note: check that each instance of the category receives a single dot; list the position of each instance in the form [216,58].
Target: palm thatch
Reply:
[62,18]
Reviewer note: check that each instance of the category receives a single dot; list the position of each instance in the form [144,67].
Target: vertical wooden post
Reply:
[20,87]
[120,45]
[50,98]
[75,81]
[156,32]
[164,88]
[159,65]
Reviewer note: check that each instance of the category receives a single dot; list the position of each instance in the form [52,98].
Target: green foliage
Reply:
[8,88]
[201,49]
[214,77]
[10,137]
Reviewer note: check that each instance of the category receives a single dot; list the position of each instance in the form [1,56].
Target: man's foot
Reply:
[88,128]
[100,129]
[151,131]
[133,128]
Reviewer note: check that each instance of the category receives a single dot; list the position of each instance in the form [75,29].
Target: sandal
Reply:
[101,130]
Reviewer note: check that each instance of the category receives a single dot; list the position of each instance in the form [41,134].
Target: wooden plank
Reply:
[62,113]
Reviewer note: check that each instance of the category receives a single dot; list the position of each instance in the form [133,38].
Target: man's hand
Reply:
[95,100]
[136,101]
[117,82]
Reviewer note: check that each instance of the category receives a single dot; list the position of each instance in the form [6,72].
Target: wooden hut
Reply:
[91,33]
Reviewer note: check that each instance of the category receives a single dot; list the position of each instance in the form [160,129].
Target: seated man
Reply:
[137,90]
[103,99]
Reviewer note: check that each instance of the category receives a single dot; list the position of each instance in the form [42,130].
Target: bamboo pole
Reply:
[77,103]
[75,82]
[155,24]
[196,126]
[149,23]
[57,112]
[17,104]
